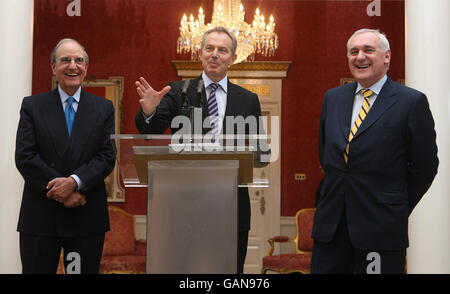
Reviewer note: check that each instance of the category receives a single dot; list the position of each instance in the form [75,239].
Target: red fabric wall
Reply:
[133,38]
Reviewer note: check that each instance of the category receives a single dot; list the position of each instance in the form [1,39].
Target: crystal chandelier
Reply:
[259,37]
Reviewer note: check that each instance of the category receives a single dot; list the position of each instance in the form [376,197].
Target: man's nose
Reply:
[72,63]
[361,55]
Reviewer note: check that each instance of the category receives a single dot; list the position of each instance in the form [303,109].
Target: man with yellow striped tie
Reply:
[377,147]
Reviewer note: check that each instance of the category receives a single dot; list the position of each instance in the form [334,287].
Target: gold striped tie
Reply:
[361,116]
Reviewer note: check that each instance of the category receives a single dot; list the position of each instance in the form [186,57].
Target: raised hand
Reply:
[149,98]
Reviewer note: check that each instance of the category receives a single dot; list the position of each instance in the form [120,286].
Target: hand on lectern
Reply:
[149,98]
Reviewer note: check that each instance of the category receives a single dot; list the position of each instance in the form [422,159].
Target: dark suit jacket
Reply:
[392,163]
[44,152]
[240,102]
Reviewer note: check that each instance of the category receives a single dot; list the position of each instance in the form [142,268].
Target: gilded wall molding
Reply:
[258,69]
[253,66]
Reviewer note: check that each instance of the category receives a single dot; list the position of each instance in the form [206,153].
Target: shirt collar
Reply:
[64,95]
[376,88]
[223,82]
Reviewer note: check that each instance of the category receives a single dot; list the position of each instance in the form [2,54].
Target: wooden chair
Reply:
[300,261]
[122,253]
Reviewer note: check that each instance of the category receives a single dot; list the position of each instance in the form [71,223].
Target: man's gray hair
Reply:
[53,56]
[384,43]
[221,30]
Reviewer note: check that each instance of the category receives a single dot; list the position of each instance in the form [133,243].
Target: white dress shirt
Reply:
[357,103]
[221,96]
[63,95]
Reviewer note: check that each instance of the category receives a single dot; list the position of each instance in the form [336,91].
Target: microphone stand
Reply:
[197,107]
[184,101]
[185,108]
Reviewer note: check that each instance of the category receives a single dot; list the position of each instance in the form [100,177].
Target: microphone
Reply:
[199,93]
[184,94]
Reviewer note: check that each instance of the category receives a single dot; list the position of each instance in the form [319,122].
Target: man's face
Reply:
[216,55]
[366,60]
[70,67]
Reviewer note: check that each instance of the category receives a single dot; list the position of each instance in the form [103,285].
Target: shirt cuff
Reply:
[148,118]
[79,182]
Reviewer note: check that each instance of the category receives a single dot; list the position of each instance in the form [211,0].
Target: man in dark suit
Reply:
[64,153]
[377,146]
[218,52]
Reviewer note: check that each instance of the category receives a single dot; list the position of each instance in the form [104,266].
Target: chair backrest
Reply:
[120,240]
[304,220]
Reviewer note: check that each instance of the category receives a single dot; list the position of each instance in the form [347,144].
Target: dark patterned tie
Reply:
[213,108]
[361,116]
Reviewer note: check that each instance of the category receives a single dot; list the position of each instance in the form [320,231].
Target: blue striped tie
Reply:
[69,112]
[213,109]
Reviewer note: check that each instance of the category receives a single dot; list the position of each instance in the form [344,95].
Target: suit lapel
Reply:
[383,102]
[348,96]
[53,114]
[83,125]
[233,93]
[232,100]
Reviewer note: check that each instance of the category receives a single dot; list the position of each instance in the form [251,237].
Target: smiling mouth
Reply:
[72,75]
[362,66]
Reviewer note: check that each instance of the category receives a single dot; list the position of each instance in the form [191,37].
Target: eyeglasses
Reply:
[78,60]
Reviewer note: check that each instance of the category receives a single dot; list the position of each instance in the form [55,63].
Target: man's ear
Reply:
[387,57]
[234,59]
[53,66]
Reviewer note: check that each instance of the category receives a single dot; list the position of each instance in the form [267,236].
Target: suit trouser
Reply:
[242,250]
[40,254]
[339,256]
